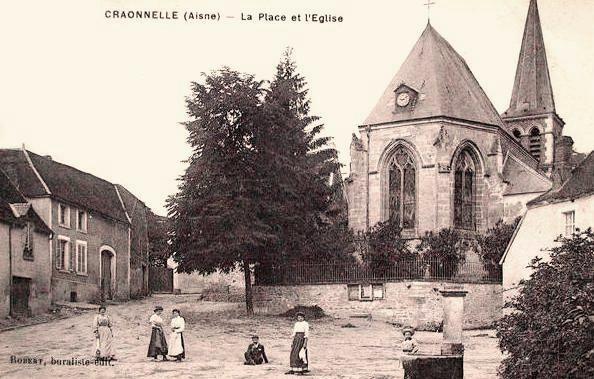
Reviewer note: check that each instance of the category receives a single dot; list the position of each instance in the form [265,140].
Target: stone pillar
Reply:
[453,318]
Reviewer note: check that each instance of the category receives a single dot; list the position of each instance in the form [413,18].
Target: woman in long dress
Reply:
[176,341]
[103,335]
[158,344]
[299,358]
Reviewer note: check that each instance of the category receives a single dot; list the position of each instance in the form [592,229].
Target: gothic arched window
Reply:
[535,143]
[464,192]
[402,189]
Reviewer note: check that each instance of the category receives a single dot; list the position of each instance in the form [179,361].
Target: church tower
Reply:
[531,117]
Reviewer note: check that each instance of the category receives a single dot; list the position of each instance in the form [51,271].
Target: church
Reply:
[435,153]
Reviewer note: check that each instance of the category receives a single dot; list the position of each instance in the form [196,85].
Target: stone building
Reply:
[25,271]
[91,250]
[435,153]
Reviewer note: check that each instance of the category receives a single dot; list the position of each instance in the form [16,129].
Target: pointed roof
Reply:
[532,93]
[444,83]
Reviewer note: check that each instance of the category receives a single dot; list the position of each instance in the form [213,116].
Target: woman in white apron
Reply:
[176,340]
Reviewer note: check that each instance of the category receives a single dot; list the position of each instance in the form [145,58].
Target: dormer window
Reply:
[64,215]
[404,97]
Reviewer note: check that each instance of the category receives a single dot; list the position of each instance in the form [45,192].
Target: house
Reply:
[138,215]
[559,212]
[91,249]
[25,240]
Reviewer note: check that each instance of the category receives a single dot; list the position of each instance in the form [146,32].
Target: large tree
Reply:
[257,188]
[550,331]
[216,214]
[303,174]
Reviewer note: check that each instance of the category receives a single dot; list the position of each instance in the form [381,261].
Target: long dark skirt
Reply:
[158,345]
[297,364]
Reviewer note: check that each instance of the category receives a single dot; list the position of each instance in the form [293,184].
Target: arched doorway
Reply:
[107,272]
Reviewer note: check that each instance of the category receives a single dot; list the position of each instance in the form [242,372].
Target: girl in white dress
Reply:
[176,341]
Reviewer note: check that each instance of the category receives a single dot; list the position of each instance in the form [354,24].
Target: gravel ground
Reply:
[216,336]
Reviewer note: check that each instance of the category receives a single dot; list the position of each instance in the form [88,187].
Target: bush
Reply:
[311,312]
[551,329]
[493,243]
[385,247]
[444,251]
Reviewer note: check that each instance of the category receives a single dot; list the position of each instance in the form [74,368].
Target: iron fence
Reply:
[419,269]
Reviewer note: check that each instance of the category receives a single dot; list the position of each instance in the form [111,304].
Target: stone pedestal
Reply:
[433,366]
[453,319]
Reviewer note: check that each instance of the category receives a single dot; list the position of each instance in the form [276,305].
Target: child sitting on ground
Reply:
[409,345]
[255,354]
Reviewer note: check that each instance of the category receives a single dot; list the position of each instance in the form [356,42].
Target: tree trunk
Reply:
[249,301]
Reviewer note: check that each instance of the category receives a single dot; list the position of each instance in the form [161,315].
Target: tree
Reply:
[551,328]
[217,215]
[493,243]
[385,247]
[157,227]
[444,251]
[298,164]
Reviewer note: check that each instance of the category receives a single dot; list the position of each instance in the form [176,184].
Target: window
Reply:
[569,223]
[402,189]
[63,254]
[464,192]
[534,146]
[517,134]
[81,220]
[64,215]
[365,292]
[28,243]
[81,257]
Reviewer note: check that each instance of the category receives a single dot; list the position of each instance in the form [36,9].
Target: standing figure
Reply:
[158,344]
[299,358]
[255,354]
[176,341]
[103,335]
[409,345]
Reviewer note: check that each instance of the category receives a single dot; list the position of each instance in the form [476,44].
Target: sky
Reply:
[107,95]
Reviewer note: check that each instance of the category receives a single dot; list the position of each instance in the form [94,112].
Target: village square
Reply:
[456,242]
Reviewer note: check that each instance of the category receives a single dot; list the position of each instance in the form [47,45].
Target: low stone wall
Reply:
[414,303]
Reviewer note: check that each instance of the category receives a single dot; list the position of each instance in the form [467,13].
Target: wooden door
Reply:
[19,297]
[106,292]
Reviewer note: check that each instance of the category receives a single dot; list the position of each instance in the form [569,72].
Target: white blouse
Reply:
[301,327]
[178,324]
[156,320]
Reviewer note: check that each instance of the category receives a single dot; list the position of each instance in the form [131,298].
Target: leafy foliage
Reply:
[445,249]
[493,243]
[157,227]
[551,329]
[256,190]
[385,247]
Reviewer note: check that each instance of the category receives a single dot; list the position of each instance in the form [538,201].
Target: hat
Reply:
[408,329]
[158,308]
[255,336]
[300,314]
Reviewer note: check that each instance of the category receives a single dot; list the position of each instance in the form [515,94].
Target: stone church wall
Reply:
[415,303]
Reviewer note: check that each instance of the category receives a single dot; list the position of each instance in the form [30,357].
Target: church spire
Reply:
[532,93]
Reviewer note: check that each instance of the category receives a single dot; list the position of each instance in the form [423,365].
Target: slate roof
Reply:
[579,184]
[15,209]
[64,183]
[445,84]
[532,93]
[522,178]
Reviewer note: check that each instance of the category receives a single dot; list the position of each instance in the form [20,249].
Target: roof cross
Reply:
[429,3]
